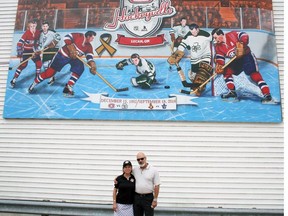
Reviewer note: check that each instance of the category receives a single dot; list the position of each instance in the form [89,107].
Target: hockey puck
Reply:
[167,87]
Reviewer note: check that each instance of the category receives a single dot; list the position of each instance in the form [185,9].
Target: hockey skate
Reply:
[68,91]
[13,83]
[31,87]
[230,96]
[51,81]
[267,99]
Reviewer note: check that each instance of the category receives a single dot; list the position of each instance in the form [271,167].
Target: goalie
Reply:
[199,43]
[144,68]
[236,44]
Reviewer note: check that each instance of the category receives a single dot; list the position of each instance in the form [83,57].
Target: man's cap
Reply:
[126,163]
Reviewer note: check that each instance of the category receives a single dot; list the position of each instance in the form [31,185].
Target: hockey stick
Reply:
[43,53]
[203,84]
[98,74]
[11,68]
[183,78]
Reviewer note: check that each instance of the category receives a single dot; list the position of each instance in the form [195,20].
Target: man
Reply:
[227,46]
[199,43]
[47,37]
[76,45]
[25,50]
[144,68]
[178,33]
[147,187]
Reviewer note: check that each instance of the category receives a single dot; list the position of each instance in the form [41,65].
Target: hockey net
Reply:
[244,87]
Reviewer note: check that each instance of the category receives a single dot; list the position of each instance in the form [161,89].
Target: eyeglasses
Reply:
[140,159]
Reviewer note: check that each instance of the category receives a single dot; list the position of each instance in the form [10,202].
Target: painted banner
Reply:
[148,60]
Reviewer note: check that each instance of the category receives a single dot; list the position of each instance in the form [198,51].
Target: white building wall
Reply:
[228,165]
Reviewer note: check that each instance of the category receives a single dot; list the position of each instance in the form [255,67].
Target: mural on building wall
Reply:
[156,60]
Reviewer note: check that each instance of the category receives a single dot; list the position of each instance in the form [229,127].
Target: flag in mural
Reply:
[148,60]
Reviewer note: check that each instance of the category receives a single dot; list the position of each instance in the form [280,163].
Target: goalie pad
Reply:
[240,50]
[143,81]
[72,51]
[204,73]
[191,75]
[175,57]
[92,65]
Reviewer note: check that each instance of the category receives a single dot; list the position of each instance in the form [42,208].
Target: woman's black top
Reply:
[126,189]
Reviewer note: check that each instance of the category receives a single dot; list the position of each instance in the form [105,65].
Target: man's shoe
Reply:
[68,91]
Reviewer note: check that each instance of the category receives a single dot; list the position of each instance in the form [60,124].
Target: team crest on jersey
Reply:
[140,18]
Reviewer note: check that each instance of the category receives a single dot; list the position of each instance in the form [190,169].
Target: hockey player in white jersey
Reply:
[47,37]
[178,32]
[144,68]
[199,43]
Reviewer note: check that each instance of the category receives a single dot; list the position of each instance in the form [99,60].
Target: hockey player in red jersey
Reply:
[76,45]
[227,46]
[25,49]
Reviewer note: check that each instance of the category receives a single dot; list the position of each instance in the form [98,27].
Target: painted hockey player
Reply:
[199,43]
[144,68]
[25,50]
[76,45]
[227,46]
[47,38]
[177,33]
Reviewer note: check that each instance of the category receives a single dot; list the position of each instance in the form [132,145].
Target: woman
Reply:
[123,193]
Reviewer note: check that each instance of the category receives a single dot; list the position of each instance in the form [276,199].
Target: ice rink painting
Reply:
[48,102]
[142,27]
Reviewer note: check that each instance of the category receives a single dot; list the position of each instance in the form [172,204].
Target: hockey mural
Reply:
[148,60]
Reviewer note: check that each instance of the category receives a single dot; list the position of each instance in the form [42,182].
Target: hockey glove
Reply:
[178,40]
[72,51]
[175,57]
[55,40]
[36,53]
[219,69]
[240,50]
[19,51]
[119,66]
[92,65]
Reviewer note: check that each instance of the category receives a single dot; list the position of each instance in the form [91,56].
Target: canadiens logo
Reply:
[111,105]
[140,18]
